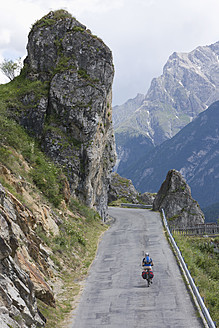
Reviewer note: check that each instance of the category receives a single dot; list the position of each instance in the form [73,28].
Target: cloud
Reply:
[142,34]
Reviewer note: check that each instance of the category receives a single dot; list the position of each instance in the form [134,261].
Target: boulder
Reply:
[175,198]
[147,198]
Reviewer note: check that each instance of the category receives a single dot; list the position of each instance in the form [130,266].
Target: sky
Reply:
[141,34]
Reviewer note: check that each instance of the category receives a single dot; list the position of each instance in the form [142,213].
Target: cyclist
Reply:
[147,262]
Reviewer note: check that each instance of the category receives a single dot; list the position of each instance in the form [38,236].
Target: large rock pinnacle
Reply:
[73,117]
[175,198]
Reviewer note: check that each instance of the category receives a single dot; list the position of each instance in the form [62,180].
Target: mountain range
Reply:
[194,151]
[188,85]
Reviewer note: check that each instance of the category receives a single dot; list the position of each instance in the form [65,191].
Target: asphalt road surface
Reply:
[116,296]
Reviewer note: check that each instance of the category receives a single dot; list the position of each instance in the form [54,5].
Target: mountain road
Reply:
[116,296]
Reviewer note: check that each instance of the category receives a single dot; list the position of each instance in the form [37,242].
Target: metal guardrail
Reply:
[205,312]
[136,205]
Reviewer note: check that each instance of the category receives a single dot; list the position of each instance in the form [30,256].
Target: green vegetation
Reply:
[120,181]
[14,142]
[118,202]
[174,217]
[56,15]
[63,65]
[10,68]
[78,29]
[12,93]
[202,258]
[82,73]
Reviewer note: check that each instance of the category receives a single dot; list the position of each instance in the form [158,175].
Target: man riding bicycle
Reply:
[147,262]
[147,273]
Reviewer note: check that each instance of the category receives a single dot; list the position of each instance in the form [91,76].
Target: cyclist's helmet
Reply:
[146,254]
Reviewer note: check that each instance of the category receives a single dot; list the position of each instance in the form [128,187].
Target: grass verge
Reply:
[202,257]
[73,252]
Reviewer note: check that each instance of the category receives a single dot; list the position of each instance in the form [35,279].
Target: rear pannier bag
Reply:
[151,275]
[144,275]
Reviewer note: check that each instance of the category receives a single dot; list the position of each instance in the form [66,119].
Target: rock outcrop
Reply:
[18,307]
[69,110]
[40,245]
[175,198]
[147,198]
[123,189]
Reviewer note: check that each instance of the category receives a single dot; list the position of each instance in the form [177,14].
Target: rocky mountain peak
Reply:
[58,42]
[175,198]
[188,85]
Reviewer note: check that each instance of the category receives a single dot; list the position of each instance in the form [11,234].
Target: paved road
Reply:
[116,296]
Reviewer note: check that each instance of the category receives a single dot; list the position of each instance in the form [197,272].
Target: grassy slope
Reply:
[203,262]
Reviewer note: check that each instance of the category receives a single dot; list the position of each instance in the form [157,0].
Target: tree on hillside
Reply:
[10,68]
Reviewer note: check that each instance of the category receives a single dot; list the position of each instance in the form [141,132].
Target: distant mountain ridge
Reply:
[194,151]
[126,110]
[188,85]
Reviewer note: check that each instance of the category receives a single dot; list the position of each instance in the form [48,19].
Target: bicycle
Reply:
[148,275]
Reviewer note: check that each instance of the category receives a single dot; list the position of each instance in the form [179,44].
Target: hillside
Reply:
[188,85]
[130,141]
[193,151]
[212,213]
[56,158]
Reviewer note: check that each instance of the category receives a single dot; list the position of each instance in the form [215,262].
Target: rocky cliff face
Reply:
[175,198]
[44,249]
[72,114]
[23,263]
[188,85]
